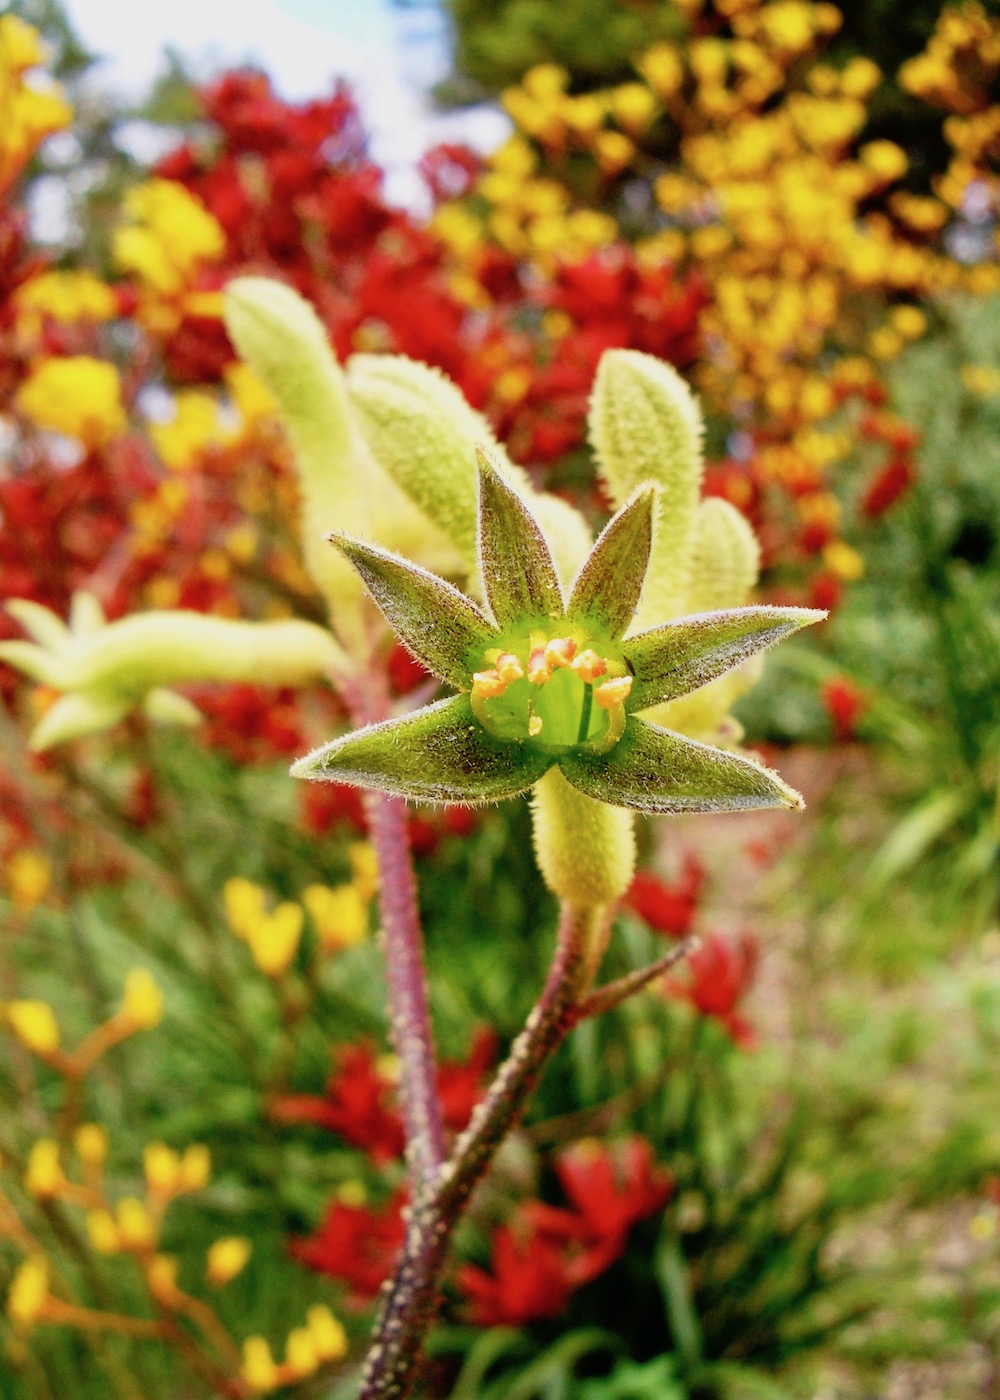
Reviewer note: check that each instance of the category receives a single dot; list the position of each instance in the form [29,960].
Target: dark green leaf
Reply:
[678,657]
[519,576]
[606,590]
[441,626]
[655,770]
[438,754]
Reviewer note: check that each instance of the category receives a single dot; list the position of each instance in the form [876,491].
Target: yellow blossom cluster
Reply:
[771,194]
[31,107]
[203,424]
[530,215]
[77,395]
[957,72]
[33,1022]
[27,878]
[66,297]
[320,1340]
[340,914]
[167,240]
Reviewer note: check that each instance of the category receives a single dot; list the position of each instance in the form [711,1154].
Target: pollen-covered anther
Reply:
[509,667]
[560,652]
[534,726]
[614,692]
[539,667]
[589,666]
[487,685]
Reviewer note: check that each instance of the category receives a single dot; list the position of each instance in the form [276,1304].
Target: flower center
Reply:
[556,693]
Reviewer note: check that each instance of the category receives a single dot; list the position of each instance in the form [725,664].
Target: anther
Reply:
[539,668]
[589,666]
[560,652]
[487,685]
[613,692]
[509,667]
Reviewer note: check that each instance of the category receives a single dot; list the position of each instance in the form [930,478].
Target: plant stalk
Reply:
[410,1301]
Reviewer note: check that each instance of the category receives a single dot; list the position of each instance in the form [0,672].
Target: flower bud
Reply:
[646,426]
[585,849]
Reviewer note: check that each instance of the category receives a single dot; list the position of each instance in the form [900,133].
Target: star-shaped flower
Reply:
[546,680]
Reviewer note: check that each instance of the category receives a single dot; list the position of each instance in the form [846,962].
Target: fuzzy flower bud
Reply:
[34,1025]
[142,1003]
[226,1258]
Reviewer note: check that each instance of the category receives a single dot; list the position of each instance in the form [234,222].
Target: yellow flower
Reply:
[245,904]
[195,1168]
[162,1168]
[259,1370]
[34,1024]
[103,1232]
[843,561]
[44,1176]
[66,297]
[275,940]
[91,1142]
[226,1258]
[29,1291]
[76,395]
[195,429]
[28,878]
[168,236]
[662,68]
[329,1337]
[340,915]
[142,1003]
[301,1356]
[161,1276]
[135,1225]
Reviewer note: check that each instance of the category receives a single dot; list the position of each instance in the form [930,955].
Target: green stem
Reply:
[588,702]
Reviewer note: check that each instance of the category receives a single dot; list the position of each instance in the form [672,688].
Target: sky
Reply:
[390,56]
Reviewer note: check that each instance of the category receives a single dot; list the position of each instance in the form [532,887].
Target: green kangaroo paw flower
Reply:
[438,754]
[519,575]
[656,771]
[606,590]
[45,667]
[678,657]
[441,626]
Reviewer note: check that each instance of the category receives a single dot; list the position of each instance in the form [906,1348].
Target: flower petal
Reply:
[655,770]
[680,656]
[606,590]
[438,754]
[519,577]
[441,626]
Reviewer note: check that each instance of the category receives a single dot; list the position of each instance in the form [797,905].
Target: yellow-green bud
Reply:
[725,560]
[585,849]
[646,426]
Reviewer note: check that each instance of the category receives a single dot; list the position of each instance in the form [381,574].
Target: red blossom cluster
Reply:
[720,972]
[546,1252]
[668,908]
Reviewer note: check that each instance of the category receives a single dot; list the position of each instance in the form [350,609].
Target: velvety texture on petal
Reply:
[519,576]
[606,590]
[680,656]
[440,753]
[655,770]
[441,626]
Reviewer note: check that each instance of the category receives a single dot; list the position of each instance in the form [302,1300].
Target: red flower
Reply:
[610,1191]
[356,1245]
[528,1280]
[325,805]
[825,592]
[721,972]
[845,704]
[358,1105]
[667,908]
[895,478]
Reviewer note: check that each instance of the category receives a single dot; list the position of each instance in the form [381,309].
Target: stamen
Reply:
[613,692]
[560,651]
[534,726]
[589,666]
[487,685]
[509,667]
[539,668]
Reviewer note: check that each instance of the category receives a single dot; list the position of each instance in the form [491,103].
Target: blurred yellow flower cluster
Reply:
[340,914]
[957,72]
[77,395]
[167,239]
[33,1023]
[752,147]
[31,107]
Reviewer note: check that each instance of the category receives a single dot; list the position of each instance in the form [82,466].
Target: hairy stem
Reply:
[409,1305]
